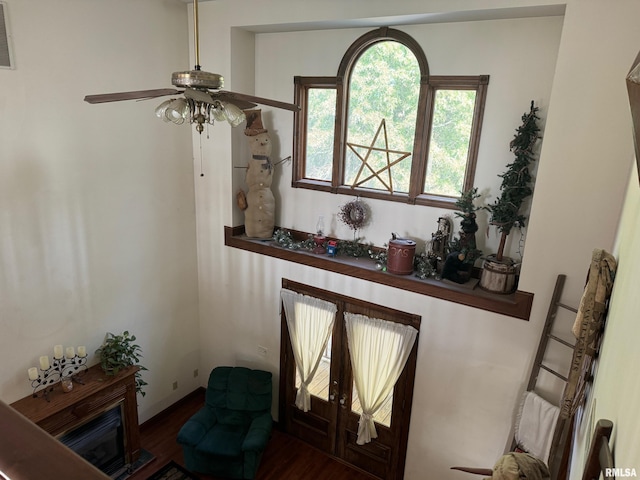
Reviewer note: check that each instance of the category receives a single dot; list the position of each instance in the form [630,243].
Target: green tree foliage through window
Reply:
[449,144]
[320,125]
[384,84]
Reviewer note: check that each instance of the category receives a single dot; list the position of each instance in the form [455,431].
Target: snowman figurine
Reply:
[258,203]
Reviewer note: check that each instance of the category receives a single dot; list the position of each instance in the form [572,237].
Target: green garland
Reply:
[349,248]
[380,257]
[284,239]
[423,266]
[352,248]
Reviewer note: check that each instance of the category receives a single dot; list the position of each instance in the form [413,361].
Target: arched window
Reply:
[384,128]
[383,89]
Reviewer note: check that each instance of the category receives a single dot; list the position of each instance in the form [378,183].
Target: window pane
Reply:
[382,416]
[319,386]
[320,129]
[384,87]
[449,145]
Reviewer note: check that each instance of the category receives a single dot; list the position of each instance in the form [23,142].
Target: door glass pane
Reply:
[321,119]
[383,103]
[320,384]
[449,144]
[382,416]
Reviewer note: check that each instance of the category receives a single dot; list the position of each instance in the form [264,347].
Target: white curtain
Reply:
[310,321]
[379,350]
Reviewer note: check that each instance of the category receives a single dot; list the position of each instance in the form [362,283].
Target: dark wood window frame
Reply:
[429,85]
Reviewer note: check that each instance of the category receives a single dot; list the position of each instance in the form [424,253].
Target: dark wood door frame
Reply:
[329,439]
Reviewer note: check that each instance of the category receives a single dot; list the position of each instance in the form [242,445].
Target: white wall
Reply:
[472,365]
[589,141]
[481,48]
[96,201]
[97,209]
[616,390]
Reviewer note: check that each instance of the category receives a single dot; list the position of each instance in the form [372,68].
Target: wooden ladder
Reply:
[557,456]
[547,336]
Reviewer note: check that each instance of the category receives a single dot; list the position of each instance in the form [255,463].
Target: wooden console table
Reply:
[99,393]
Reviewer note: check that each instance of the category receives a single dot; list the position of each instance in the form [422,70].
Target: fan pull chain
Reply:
[200,141]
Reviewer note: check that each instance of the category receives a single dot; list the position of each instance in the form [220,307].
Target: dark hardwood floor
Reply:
[286,458]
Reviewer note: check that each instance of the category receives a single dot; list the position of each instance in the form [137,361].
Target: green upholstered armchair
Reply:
[227,436]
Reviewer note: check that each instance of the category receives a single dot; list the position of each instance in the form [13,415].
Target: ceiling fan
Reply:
[202,101]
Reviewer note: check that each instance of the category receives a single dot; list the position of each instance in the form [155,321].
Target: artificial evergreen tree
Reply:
[517,183]
[466,243]
[462,250]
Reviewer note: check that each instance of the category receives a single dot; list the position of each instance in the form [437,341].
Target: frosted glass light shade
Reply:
[160,109]
[233,114]
[177,111]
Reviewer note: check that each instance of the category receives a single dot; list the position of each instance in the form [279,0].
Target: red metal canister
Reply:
[400,255]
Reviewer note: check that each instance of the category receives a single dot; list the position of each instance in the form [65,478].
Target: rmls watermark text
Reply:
[620,472]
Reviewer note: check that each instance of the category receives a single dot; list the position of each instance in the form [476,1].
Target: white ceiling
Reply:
[415,19]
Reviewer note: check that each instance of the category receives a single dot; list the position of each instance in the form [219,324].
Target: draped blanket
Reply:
[519,466]
[588,327]
[535,426]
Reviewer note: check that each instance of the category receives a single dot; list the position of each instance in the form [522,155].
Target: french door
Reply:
[331,424]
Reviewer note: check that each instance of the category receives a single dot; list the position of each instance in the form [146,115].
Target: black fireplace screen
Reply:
[100,441]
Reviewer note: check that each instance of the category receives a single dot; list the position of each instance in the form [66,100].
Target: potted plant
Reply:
[499,272]
[119,352]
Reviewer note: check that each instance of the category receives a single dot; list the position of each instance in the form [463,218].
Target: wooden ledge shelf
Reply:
[517,304]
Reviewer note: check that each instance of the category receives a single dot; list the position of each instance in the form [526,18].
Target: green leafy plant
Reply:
[119,352]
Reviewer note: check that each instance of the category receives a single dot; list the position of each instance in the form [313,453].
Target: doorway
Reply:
[331,423]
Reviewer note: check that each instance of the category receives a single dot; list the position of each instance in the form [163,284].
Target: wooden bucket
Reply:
[498,277]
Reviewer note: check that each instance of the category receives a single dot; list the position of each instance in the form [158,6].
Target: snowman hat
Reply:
[254,123]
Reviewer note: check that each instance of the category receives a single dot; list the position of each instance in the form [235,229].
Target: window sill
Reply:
[517,304]
[431,200]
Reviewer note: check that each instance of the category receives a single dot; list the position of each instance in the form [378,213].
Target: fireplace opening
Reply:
[100,441]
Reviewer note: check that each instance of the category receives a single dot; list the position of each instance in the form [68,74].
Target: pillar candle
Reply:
[33,373]
[44,362]
[70,352]
[82,351]
[57,352]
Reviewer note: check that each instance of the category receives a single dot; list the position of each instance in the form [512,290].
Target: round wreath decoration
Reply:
[354,214]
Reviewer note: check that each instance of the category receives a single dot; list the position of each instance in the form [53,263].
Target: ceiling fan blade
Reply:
[233,97]
[137,95]
[225,97]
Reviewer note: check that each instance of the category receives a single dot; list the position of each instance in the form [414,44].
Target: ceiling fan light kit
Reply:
[200,111]
[203,101]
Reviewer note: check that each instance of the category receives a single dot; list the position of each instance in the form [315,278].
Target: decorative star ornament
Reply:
[382,172]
